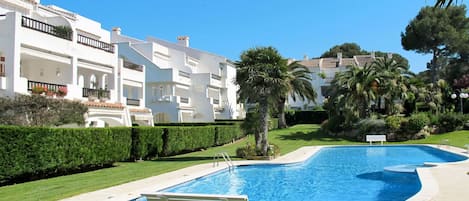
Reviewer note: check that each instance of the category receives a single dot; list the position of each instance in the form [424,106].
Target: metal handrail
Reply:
[225,157]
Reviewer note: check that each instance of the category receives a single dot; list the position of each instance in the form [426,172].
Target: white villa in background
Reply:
[46,46]
[323,71]
[182,84]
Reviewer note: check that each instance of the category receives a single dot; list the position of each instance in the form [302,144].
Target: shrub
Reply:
[448,122]
[147,142]
[393,123]
[333,124]
[249,151]
[183,139]
[371,126]
[227,134]
[38,152]
[416,122]
[306,117]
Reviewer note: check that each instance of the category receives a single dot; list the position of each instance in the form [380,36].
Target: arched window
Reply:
[93,83]
[81,81]
[104,81]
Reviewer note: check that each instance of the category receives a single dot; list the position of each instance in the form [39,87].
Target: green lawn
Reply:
[288,139]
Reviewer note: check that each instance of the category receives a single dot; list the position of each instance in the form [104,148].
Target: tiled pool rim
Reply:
[132,190]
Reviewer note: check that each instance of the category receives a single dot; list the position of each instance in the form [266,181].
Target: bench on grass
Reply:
[376,138]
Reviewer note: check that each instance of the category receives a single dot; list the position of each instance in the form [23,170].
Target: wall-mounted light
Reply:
[57,72]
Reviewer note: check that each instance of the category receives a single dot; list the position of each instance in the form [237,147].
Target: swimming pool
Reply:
[334,173]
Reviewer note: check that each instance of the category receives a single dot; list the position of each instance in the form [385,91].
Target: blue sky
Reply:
[295,27]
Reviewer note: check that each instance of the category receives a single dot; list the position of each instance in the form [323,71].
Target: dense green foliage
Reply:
[416,122]
[440,32]
[262,76]
[306,117]
[147,142]
[38,151]
[36,110]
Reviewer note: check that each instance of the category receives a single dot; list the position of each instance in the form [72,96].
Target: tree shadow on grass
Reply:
[185,159]
[312,136]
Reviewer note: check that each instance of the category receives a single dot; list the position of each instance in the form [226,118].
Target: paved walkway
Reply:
[441,183]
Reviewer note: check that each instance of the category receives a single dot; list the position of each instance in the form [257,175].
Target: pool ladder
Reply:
[226,158]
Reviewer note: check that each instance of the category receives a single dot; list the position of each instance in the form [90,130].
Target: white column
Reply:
[13,57]
[118,81]
[143,90]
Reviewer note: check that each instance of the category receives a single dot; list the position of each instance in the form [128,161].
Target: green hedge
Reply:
[226,134]
[147,142]
[38,152]
[184,139]
[41,151]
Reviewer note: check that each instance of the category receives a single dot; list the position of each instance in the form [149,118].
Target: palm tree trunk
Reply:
[282,123]
[264,127]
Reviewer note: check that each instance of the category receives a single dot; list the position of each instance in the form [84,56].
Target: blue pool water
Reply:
[334,173]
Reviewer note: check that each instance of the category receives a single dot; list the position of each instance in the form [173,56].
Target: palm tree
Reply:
[444,3]
[393,79]
[261,75]
[298,85]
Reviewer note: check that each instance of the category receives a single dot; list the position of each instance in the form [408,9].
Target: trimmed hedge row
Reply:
[40,151]
[37,152]
[150,142]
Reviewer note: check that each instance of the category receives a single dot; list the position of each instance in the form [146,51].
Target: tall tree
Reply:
[348,50]
[260,75]
[439,32]
[393,79]
[298,85]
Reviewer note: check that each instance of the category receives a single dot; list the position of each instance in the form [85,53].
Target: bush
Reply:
[417,122]
[184,139]
[448,122]
[147,142]
[306,117]
[250,152]
[227,134]
[333,124]
[371,126]
[38,152]
[393,123]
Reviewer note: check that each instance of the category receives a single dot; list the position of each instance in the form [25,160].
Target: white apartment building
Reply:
[49,48]
[323,71]
[183,84]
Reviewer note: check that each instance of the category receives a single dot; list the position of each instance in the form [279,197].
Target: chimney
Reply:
[305,57]
[339,58]
[117,30]
[389,55]
[183,40]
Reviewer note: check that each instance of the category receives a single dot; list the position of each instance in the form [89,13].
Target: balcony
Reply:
[215,80]
[184,100]
[63,32]
[47,87]
[133,102]
[133,66]
[97,93]
[91,42]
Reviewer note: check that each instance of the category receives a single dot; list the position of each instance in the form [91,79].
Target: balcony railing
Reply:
[184,100]
[134,102]
[91,42]
[45,86]
[57,31]
[133,66]
[184,74]
[216,77]
[98,93]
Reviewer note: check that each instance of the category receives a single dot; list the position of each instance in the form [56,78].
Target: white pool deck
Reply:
[440,183]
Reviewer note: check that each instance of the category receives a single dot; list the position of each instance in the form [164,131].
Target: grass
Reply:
[288,139]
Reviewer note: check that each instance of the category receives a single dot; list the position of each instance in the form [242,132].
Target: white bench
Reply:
[376,138]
